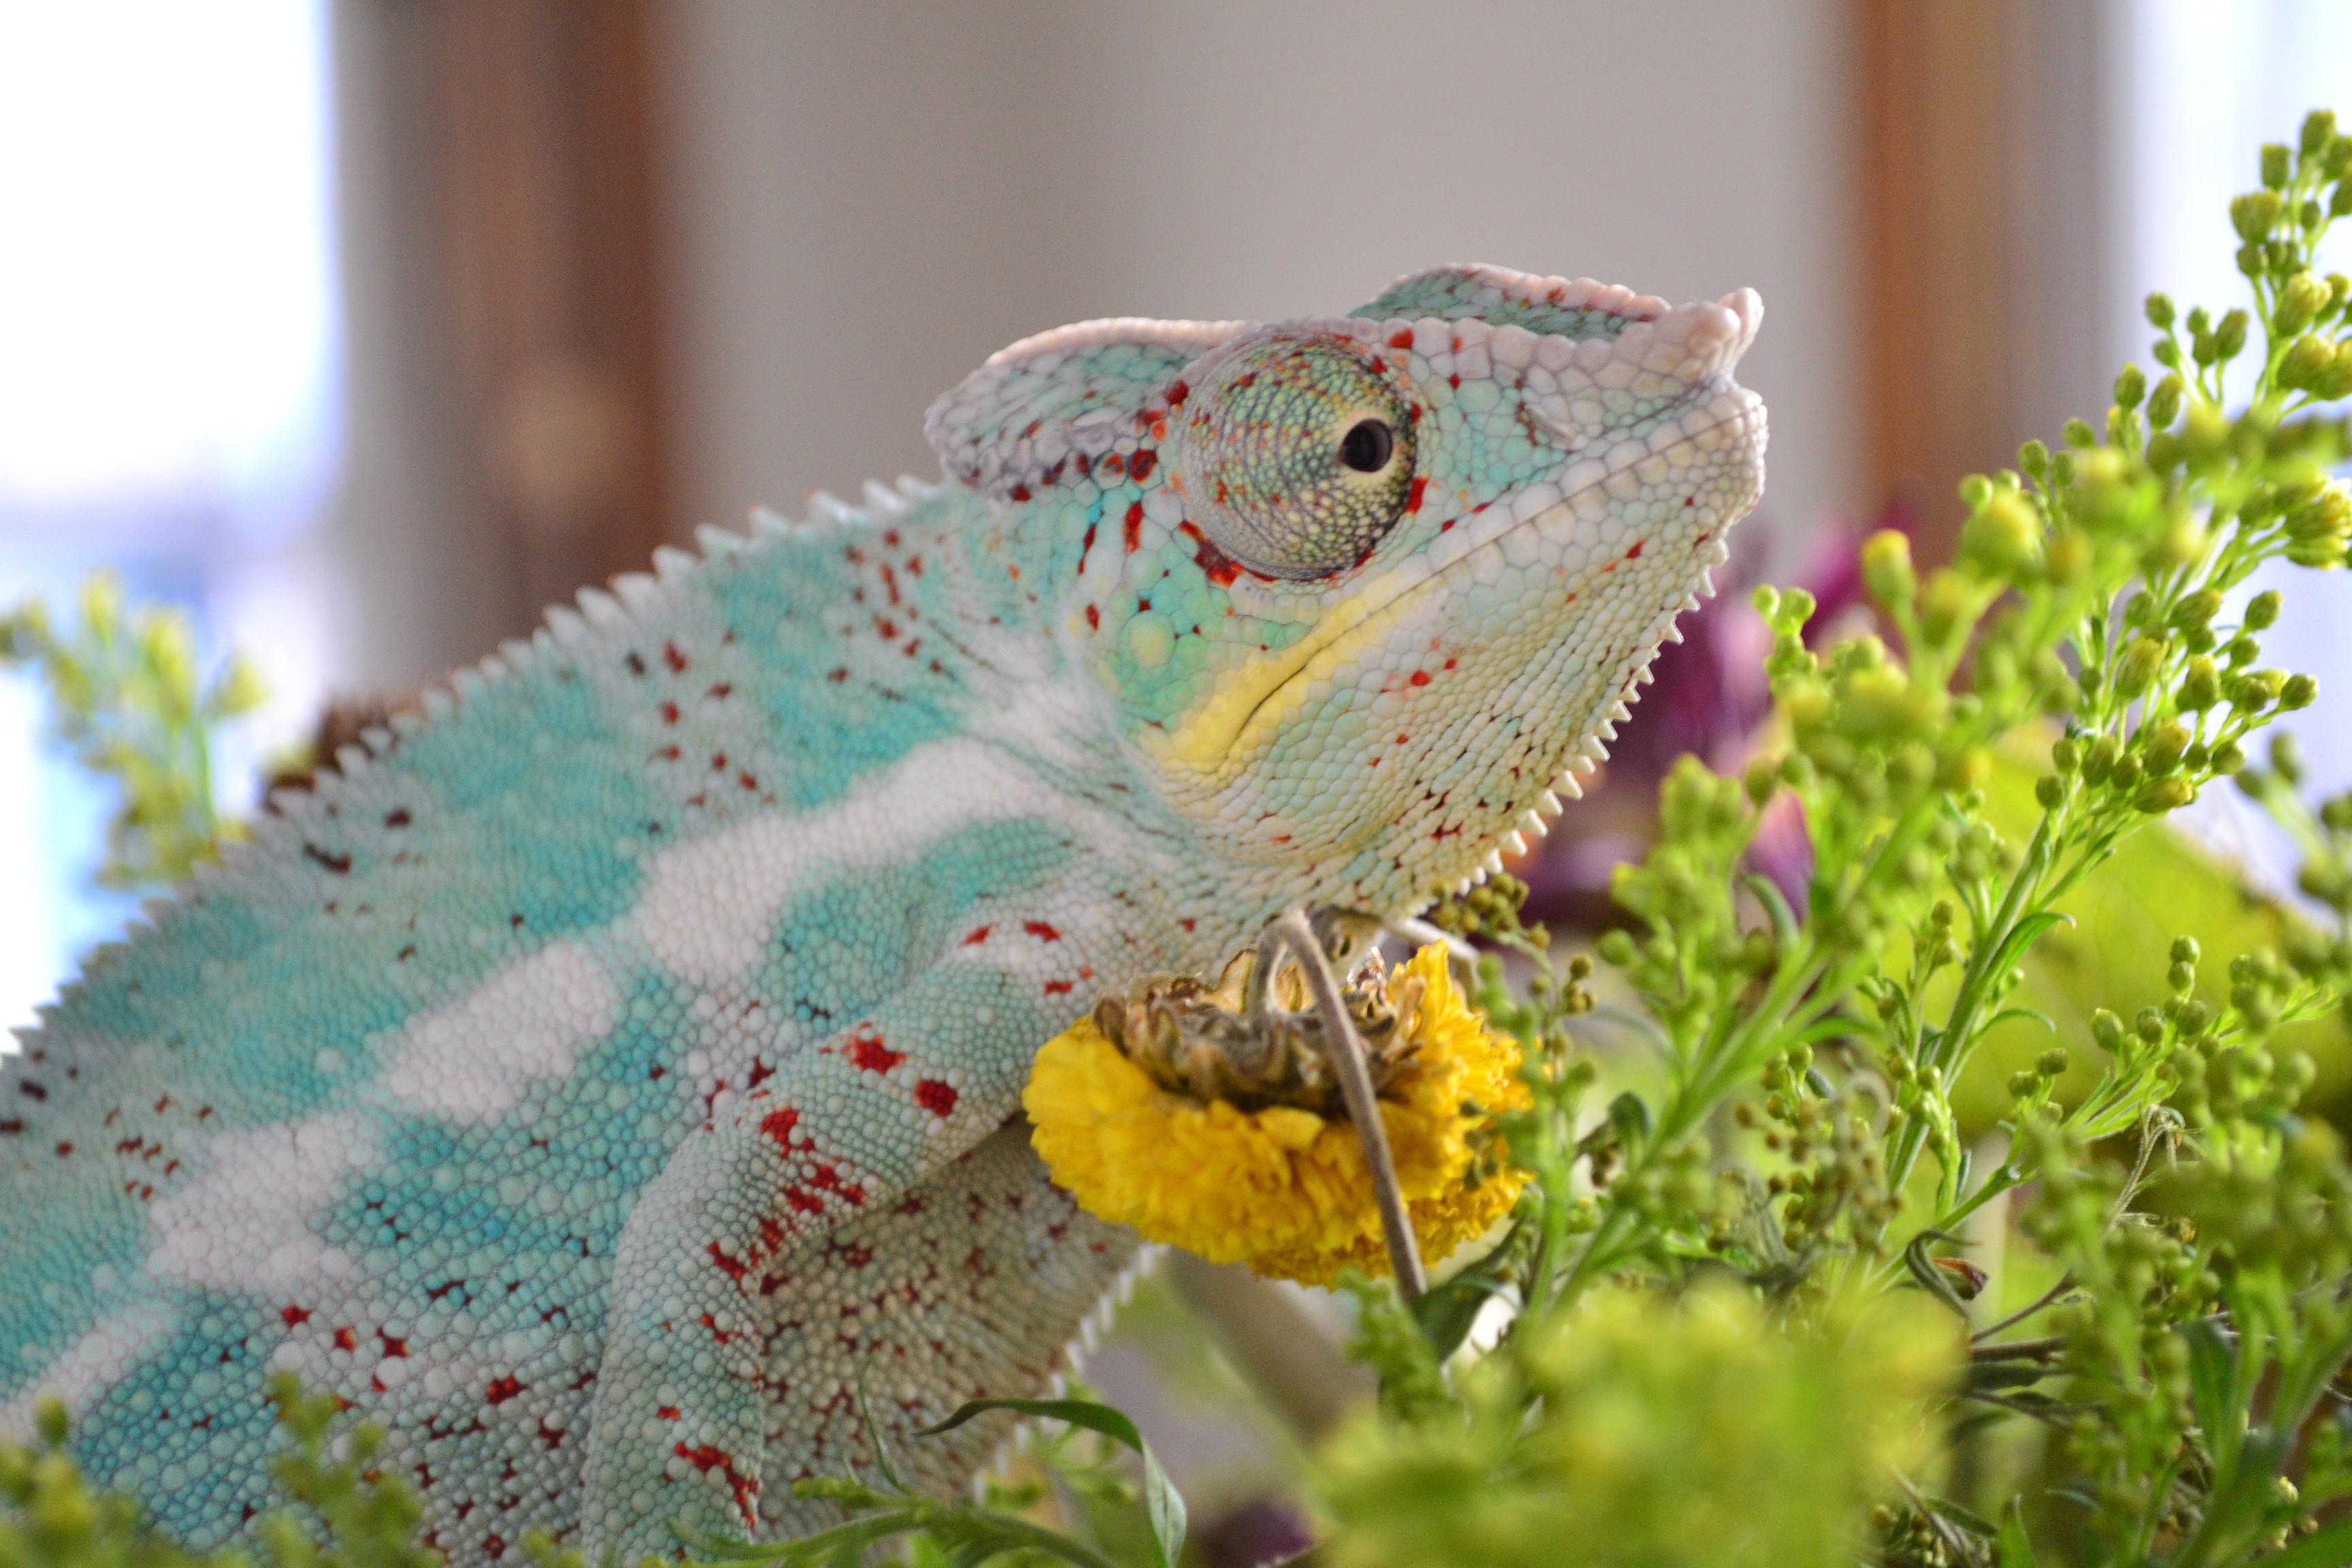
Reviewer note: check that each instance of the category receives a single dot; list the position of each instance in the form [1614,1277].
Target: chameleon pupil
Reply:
[1367,446]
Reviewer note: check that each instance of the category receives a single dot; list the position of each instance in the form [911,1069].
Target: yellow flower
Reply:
[1284,1189]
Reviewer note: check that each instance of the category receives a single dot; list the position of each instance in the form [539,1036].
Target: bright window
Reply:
[168,330]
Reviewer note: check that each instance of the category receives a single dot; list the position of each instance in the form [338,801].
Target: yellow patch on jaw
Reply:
[1261,693]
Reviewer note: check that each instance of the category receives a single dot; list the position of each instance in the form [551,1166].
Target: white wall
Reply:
[871,199]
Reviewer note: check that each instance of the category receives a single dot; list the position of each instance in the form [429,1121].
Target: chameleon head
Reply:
[1369,592]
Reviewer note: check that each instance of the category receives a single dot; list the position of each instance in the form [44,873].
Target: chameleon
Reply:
[605,1078]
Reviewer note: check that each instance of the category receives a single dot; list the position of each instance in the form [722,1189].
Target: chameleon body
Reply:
[608,1067]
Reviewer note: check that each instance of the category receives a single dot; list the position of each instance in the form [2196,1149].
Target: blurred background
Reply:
[362,328]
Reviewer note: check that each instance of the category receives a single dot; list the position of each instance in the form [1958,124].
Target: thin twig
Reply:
[1293,930]
[2066,1283]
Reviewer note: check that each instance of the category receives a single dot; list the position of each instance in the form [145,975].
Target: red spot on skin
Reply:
[667,1412]
[890,582]
[718,1333]
[672,658]
[504,1389]
[1635,554]
[887,626]
[708,1458]
[1134,527]
[1020,492]
[779,1124]
[978,936]
[1086,547]
[1420,678]
[824,1180]
[732,1267]
[1413,500]
[1187,923]
[1041,931]
[295,1316]
[1177,394]
[1142,606]
[1140,466]
[1455,381]
[1115,465]
[1402,338]
[392,1349]
[938,1099]
[802,1201]
[669,712]
[554,1439]
[869,1052]
[761,1073]
[839,675]
[495,1545]
[345,1340]
[1094,619]
[1057,988]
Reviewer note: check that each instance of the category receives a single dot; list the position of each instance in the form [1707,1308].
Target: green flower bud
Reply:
[2262,611]
[2227,758]
[2254,215]
[2300,691]
[2108,1031]
[2079,435]
[2256,690]
[2139,665]
[2099,762]
[2124,777]
[2004,538]
[2022,1084]
[2131,387]
[2064,754]
[2321,554]
[2324,514]
[2339,201]
[2161,745]
[2318,131]
[2050,791]
[2051,1063]
[1886,569]
[2300,301]
[2278,165]
[2164,403]
[1616,947]
[2196,609]
[2158,306]
[2165,794]
[2201,686]
[2306,361]
[2230,337]
[1975,490]
[2184,950]
[2166,450]
[2286,756]
[2034,458]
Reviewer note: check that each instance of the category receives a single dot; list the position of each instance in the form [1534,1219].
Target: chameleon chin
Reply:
[595,1082]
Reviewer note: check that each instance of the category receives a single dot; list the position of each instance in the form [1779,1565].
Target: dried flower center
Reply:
[1202,1042]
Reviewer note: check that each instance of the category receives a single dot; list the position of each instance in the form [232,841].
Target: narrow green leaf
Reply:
[2330,1548]
[1162,1504]
[2012,1548]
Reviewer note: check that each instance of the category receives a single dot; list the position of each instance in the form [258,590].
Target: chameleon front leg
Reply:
[842,1130]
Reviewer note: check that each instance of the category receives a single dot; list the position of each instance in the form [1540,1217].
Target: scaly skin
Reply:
[618,1061]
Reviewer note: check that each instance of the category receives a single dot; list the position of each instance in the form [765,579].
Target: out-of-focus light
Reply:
[167,313]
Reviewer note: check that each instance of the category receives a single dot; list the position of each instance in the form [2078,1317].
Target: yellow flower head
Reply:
[1282,1187]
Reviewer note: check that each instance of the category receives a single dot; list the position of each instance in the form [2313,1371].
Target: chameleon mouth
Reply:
[1243,712]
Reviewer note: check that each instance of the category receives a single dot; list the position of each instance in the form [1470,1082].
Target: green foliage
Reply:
[1793,1146]
[128,699]
[1691,1431]
[344,1514]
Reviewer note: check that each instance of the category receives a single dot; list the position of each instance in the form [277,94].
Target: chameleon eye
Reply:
[1296,456]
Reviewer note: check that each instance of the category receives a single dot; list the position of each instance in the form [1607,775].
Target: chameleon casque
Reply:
[607,1067]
